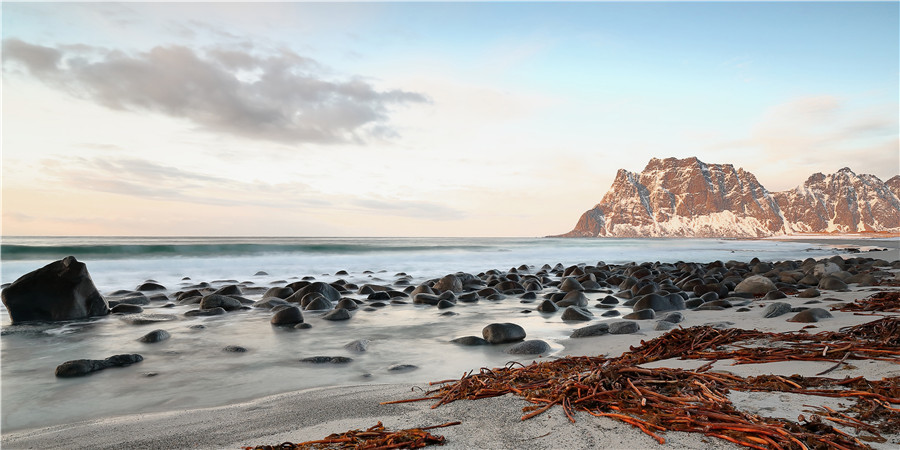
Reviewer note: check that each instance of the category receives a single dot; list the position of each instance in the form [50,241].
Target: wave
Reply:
[10,252]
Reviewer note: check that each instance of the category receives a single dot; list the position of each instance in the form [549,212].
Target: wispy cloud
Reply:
[796,137]
[275,95]
[147,180]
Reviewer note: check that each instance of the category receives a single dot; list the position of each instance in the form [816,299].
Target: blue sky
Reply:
[421,118]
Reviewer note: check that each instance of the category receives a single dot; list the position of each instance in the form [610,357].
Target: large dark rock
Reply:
[220,301]
[290,315]
[81,367]
[155,336]
[532,347]
[596,329]
[501,333]
[576,313]
[61,290]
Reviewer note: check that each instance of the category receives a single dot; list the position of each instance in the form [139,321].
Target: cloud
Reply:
[146,180]
[820,133]
[274,95]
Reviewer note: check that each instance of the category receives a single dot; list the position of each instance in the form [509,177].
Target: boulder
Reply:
[662,325]
[596,329]
[641,314]
[326,290]
[220,301]
[81,367]
[501,333]
[532,347]
[573,298]
[756,285]
[337,314]
[279,292]
[327,360]
[155,336]
[319,303]
[776,309]
[288,316]
[125,308]
[547,306]
[61,290]
[576,313]
[359,345]
[832,283]
[449,283]
[624,327]
[810,315]
[470,340]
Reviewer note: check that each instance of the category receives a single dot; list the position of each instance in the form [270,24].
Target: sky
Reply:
[420,119]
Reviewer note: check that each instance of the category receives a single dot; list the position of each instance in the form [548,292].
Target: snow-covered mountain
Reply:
[689,198]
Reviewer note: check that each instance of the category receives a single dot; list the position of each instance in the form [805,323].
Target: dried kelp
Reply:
[662,399]
[886,301]
[373,438]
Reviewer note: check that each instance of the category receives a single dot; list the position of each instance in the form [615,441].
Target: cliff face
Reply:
[689,198]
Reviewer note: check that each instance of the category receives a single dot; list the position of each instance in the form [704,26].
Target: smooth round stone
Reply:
[220,301]
[832,283]
[596,329]
[811,315]
[756,285]
[348,304]
[609,300]
[644,314]
[610,313]
[774,295]
[144,319]
[124,308]
[662,325]
[573,298]
[337,314]
[205,312]
[673,317]
[531,347]
[234,349]
[809,293]
[444,304]
[288,316]
[327,360]
[624,327]
[569,284]
[151,286]
[501,333]
[470,340]
[654,302]
[402,367]
[547,306]
[302,326]
[154,336]
[576,313]
[319,303]
[359,345]
[776,309]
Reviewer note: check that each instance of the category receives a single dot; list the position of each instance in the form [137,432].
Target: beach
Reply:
[355,402]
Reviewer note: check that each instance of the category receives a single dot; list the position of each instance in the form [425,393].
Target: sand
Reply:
[489,423]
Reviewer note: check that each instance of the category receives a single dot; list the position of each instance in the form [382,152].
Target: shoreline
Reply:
[313,413]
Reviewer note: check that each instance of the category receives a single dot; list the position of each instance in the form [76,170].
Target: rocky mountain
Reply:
[689,198]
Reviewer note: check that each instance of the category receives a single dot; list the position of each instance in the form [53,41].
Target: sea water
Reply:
[191,370]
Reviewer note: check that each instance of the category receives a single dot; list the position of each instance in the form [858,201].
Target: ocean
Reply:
[191,370]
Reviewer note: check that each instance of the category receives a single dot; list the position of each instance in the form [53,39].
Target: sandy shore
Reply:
[489,423]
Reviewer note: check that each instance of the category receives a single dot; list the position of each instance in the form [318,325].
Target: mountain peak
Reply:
[686,197]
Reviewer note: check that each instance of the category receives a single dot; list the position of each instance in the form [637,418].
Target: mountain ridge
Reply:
[689,198]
